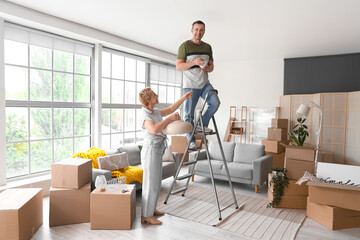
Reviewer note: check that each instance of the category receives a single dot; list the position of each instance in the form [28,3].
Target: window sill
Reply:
[43,182]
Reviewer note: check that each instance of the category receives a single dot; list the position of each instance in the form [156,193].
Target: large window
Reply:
[123,76]
[48,99]
[166,82]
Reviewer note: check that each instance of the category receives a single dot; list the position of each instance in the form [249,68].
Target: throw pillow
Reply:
[113,162]
[168,155]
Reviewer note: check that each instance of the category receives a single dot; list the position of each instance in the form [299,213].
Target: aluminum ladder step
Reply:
[184,176]
[178,190]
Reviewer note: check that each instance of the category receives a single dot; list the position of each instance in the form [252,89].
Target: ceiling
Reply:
[238,30]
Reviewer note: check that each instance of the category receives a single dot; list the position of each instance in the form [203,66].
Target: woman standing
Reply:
[153,149]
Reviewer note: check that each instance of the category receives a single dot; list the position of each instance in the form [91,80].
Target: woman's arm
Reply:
[176,105]
[156,128]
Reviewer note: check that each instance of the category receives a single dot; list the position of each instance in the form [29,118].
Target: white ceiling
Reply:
[237,29]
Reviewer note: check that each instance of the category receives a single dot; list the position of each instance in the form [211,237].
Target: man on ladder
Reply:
[195,59]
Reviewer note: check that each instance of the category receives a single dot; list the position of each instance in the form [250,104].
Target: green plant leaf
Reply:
[305,126]
[303,120]
[295,126]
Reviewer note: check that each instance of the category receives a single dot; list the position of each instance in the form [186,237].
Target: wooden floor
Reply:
[177,228]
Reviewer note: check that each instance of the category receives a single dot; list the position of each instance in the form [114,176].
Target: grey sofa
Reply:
[134,157]
[247,163]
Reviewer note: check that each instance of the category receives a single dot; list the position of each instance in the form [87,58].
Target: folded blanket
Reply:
[133,174]
[93,153]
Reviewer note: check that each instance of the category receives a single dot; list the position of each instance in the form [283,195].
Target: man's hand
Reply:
[174,117]
[198,61]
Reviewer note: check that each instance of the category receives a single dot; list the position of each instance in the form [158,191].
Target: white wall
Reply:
[254,83]
[2,107]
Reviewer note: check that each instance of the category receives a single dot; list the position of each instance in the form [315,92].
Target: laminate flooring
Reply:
[174,228]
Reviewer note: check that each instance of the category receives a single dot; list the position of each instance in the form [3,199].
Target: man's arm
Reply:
[181,65]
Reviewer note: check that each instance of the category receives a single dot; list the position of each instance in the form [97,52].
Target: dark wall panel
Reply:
[308,75]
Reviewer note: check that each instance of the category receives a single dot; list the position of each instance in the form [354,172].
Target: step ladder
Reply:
[172,191]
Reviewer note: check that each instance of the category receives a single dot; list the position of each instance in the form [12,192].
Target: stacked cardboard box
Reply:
[21,212]
[294,195]
[334,206]
[70,192]
[113,209]
[298,160]
[277,136]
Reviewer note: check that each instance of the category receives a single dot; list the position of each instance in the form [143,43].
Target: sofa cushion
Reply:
[215,153]
[133,153]
[247,153]
[203,166]
[239,170]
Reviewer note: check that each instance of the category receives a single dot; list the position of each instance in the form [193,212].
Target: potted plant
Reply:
[300,129]
[277,185]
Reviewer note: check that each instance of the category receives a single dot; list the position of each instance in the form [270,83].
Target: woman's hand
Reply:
[174,117]
[188,95]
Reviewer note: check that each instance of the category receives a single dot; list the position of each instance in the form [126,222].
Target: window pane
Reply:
[63,148]
[171,75]
[105,90]
[105,141]
[139,137]
[16,124]
[82,144]
[130,69]
[63,61]
[117,66]
[40,85]
[40,123]
[16,53]
[117,89]
[139,87]
[154,72]
[40,156]
[178,93]
[81,121]
[162,94]
[129,138]
[163,74]
[63,122]
[82,88]
[105,121]
[139,119]
[116,120]
[141,71]
[105,64]
[16,83]
[82,64]
[130,92]
[116,140]
[16,159]
[63,91]
[40,57]
[170,94]
[129,119]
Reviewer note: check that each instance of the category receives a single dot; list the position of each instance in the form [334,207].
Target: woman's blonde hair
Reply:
[145,96]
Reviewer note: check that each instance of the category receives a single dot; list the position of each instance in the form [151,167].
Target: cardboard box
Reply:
[304,153]
[277,134]
[279,123]
[179,143]
[71,173]
[113,210]
[334,218]
[295,196]
[336,195]
[69,206]
[278,159]
[274,146]
[21,212]
[296,168]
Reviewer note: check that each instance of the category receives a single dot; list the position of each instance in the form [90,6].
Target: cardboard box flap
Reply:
[73,161]
[16,198]
[330,185]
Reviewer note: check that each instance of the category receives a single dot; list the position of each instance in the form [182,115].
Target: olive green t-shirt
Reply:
[194,77]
